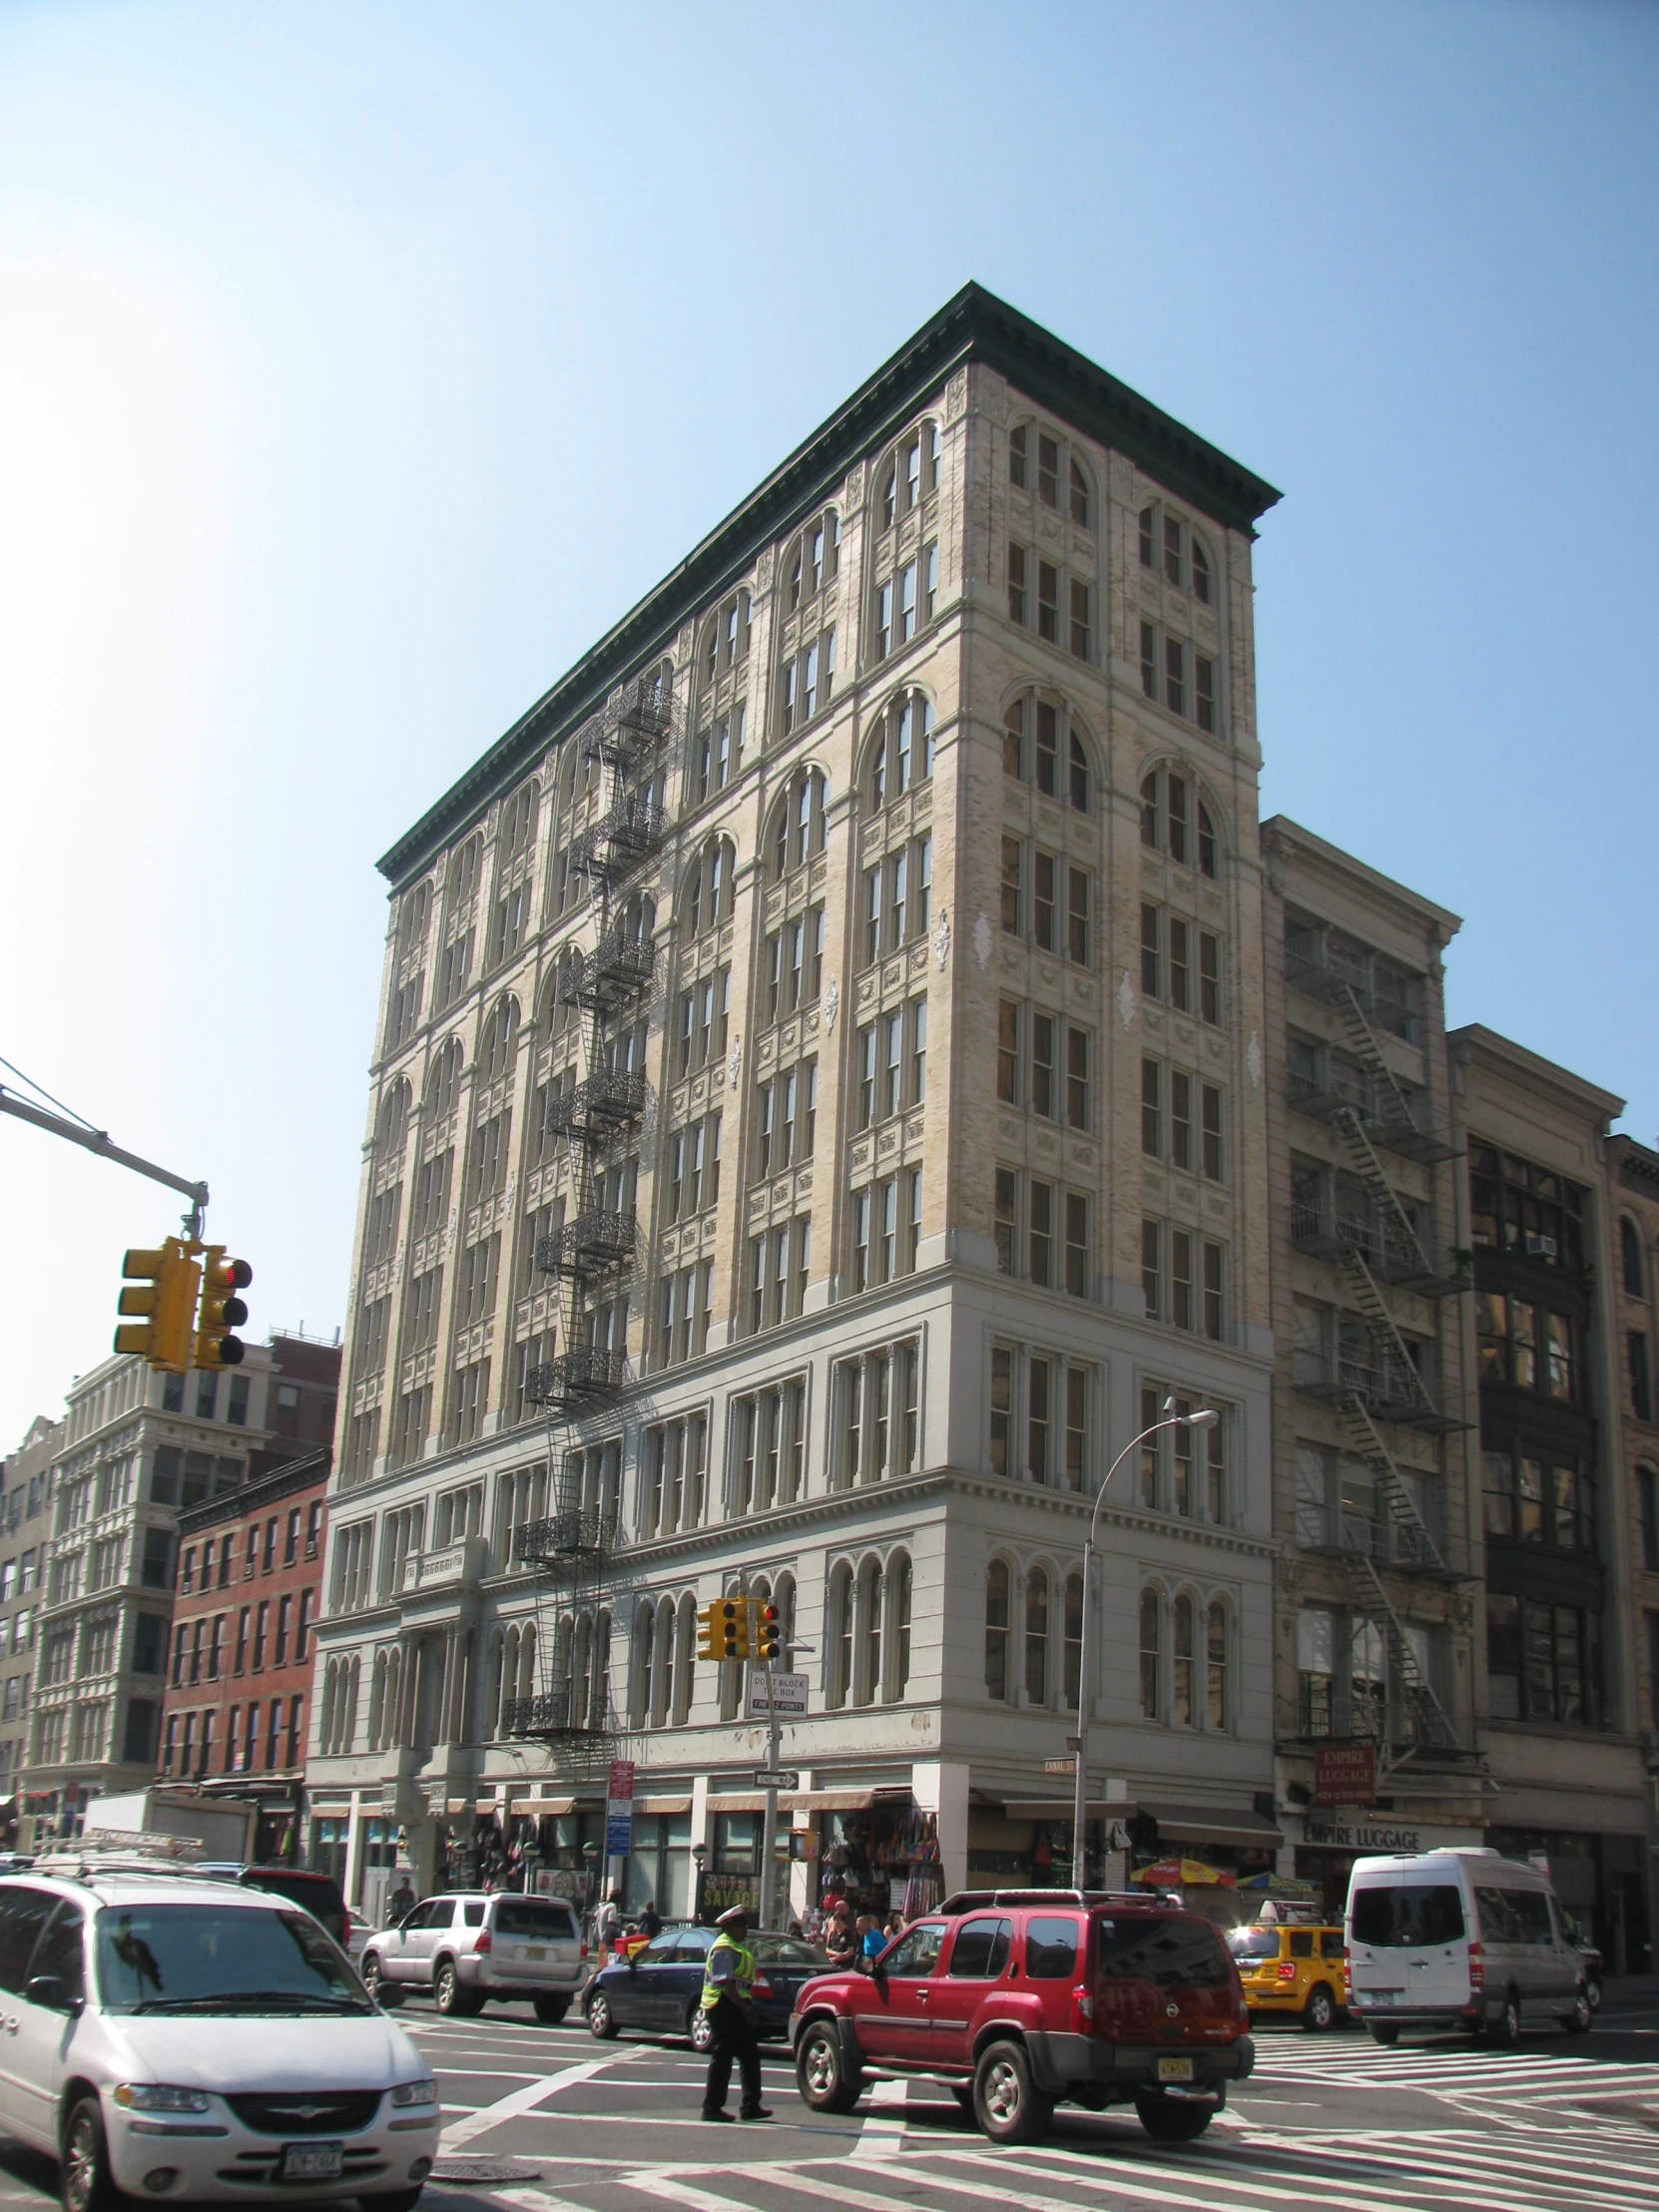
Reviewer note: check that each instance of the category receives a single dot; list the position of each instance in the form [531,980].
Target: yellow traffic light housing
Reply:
[222,1311]
[732,1625]
[768,1625]
[163,1337]
[708,1632]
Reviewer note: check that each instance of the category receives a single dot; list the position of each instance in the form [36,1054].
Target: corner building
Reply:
[819,1121]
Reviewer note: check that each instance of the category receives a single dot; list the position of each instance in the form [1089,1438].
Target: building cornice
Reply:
[1474,1045]
[974,325]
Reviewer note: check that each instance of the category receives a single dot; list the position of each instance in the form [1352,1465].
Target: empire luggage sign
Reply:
[1345,1774]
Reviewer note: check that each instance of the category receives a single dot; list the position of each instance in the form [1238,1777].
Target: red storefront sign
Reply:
[620,1788]
[1345,1774]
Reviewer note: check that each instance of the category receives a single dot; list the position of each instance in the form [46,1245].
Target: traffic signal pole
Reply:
[96,1140]
[769,1849]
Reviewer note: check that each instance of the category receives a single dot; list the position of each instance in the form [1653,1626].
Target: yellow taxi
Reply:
[1301,1971]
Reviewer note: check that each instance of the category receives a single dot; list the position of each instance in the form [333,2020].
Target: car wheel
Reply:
[1505,2030]
[700,2027]
[1385,2035]
[820,2070]
[1592,1989]
[1577,2021]
[383,1993]
[448,1995]
[1319,2014]
[85,2168]
[1174,2119]
[551,2008]
[1008,2103]
[600,2019]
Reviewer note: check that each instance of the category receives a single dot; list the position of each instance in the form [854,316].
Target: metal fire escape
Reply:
[574,1548]
[1378,1382]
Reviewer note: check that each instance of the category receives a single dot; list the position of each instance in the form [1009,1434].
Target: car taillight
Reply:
[760,1987]
[1286,1970]
[584,1951]
[1244,2013]
[484,1940]
[1477,1968]
[1082,2009]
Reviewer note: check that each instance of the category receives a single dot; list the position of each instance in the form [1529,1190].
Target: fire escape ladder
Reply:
[1401,1369]
[1399,1241]
[1414,1540]
[1434,1723]
[1363,1043]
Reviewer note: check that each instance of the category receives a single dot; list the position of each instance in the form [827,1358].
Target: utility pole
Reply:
[97,1141]
[769,1853]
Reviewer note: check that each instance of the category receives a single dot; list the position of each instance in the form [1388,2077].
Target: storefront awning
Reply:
[1060,1809]
[1233,1825]
[662,1804]
[794,1801]
[537,1808]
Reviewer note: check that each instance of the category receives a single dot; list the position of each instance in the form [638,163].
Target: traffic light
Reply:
[163,1337]
[768,1623]
[708,1632]
[222,1311]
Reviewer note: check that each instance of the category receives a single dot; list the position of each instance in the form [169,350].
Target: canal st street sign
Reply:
[1345,1774]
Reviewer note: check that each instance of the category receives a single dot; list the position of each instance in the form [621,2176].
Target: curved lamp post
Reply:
[1205,1417]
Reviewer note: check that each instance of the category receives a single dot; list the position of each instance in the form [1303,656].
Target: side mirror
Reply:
[48,1991]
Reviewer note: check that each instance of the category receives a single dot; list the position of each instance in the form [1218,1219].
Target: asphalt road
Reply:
[543,2119]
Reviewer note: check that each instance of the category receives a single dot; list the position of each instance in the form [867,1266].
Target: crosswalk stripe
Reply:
[882,2133]
[1585,2180]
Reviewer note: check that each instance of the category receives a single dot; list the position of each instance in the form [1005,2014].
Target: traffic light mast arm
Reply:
[95,1140]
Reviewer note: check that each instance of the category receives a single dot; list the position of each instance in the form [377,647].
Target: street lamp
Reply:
[1205,1417]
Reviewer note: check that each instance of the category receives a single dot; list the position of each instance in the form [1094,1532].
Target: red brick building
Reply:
[249,1587]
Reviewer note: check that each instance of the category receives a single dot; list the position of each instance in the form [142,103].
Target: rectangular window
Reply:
[1040,1207]
[1151,1256]
[1149,660]
[872,914]
[907,602]
[867,1074]
[1042,896]
[1042,1066]
[1048,750]
[1007,1052]
[1204,689]
[1039,1375]
[1080,619]
[1641,1388]
[1049,601]
[1180,1117]
[1077,1244]
[1179,974]
[1175,677]
[1180,1278]
[1006,1219]
[1149,951]
[1002,1407]
[1152,1143]
[931,581]
[1172,549]
[1209,976]
[1212,1132]
[1077,916]
[892,1062]
[1213,1292]
[1017,583]
[1012,863]
[918,1051]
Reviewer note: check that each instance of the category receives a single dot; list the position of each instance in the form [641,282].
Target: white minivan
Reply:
[1460,1938]
[173,2039]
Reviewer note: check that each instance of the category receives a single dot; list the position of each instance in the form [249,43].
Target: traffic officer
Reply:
[727,1998]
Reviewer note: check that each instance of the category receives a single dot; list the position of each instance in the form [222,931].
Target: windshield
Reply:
[1407,1915]
[1255,1943]
[785,1951]
[1173,1955]
[313,1891]
[221,1958]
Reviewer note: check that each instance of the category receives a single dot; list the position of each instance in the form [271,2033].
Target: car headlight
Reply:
[159,2096]
[423,2091]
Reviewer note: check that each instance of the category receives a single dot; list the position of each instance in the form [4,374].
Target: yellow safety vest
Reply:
[736,1982]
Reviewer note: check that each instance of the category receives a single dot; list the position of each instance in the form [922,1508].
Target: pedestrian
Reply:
[650,1921]
[838,1936]
[728,2000]
[403,1901]
[607,1926]
[871,1942]
[894,1926]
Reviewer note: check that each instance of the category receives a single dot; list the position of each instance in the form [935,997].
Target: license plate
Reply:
[311,2162]
[1384,1997]
[535,1950]
[1175,2069]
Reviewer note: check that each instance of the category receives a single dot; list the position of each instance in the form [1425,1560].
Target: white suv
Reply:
[170,2037]
[475,1944]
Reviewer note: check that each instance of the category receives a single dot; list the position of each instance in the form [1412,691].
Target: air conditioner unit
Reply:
[1539,1248]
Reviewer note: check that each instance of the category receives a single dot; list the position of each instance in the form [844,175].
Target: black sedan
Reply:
[660,1992]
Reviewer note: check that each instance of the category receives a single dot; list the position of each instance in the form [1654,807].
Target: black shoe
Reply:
[716,2116]
[756,2113]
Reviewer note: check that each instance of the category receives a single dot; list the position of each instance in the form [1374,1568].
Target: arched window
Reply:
[494,1656]
[840,1633]
[684,1658]
[443,1084]
[1215,1701]
[996,1630]
[797,821]
[1175,821]
[1073,1632]
[414,917]
[1043,745]
[724,639]
[867,1674]
[499,1041]
[708,895]
[901,751]
[909,474]
[639,1699]
[1152,1654]
[599,1688]
[901,1598]
[662,1687]
[1036,1637]
[1172,548]
[518,824]
[1630,1253]
[391,1128]
[1181,1672]
[1062,483]
[813,560]
[526,1685]
[463,873]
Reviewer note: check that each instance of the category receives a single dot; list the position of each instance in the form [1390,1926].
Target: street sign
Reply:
[1059,1766]
[619,1810]
[1345,1774]
[788,1694]
[786,1778]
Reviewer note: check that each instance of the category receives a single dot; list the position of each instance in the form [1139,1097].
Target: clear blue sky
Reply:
[360,364]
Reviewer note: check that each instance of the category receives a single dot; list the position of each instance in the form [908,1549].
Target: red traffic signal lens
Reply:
[237,1274]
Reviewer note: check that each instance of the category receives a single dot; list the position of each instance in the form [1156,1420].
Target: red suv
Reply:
[1018,1999]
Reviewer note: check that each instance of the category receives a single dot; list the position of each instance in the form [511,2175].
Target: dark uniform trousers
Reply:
[732,2027]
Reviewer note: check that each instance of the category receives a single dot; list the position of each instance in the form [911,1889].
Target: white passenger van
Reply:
[1460,1938]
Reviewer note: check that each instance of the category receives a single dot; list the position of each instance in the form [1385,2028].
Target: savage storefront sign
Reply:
[1345,1774]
